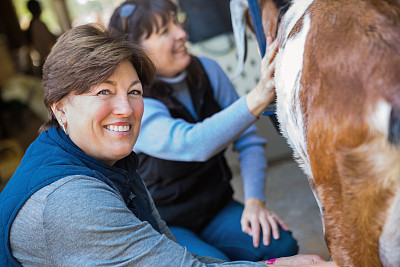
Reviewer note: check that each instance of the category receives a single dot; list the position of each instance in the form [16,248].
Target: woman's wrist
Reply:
[257,101]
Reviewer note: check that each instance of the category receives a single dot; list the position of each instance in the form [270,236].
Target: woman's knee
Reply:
[195,244]
[285,246]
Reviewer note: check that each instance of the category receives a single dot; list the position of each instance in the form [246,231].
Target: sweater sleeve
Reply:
[165,137]
[86,223]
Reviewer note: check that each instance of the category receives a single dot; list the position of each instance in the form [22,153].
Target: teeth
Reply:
[180,49]
[116,128]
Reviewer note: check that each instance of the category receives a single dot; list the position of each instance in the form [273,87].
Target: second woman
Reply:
[192,114]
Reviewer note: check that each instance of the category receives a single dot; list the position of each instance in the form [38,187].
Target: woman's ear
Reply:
[59,110]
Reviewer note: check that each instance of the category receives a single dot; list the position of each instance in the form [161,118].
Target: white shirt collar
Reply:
[177,79]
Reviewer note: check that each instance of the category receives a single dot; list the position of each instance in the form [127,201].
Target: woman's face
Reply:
[105,121]
[167,48]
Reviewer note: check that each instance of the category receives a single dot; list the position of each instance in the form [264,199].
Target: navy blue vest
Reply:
[189,194]
[53,156]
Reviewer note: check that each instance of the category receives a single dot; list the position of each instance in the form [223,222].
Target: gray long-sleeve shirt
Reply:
[111,235]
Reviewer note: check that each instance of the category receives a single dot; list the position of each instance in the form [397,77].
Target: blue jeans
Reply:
[223,238]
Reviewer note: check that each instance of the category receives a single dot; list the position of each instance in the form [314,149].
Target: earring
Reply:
[63,127]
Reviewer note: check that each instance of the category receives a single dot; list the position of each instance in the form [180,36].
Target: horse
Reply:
[337,79]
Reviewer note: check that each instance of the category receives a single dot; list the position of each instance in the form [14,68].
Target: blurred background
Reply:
[208,23]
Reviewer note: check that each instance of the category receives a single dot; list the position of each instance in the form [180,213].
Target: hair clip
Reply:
[125,12]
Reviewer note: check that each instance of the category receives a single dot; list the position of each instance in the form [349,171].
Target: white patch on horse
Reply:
[287,79]
[294,13]
[389,241]
[379,118]
[289,66]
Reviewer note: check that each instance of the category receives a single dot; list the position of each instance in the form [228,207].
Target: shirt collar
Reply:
[177,79]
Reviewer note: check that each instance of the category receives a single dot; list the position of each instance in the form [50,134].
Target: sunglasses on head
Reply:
[125,12]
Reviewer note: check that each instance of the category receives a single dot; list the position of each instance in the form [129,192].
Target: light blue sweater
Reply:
[169,138]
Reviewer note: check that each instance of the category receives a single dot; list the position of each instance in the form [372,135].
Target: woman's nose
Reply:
[122,106]
[180,33]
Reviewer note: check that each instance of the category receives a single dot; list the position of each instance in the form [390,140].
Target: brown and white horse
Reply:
[337,81]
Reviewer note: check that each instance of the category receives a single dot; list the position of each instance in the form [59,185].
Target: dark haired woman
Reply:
[192,114]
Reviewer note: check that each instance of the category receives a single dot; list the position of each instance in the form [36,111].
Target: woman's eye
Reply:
[135,92]
[104,92]
[165,31]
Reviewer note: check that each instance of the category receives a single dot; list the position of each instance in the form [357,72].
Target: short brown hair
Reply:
[85,56]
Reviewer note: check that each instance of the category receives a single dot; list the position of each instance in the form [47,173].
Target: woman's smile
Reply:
[120,127]
[181,49]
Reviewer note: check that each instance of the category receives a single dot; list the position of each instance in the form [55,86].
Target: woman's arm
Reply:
[168,138]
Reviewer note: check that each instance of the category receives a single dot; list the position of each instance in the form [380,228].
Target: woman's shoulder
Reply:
[208,62]
[73,186]
[214,72]
[77,195]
